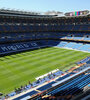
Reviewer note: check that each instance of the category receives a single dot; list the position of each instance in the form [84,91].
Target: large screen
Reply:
[77,13]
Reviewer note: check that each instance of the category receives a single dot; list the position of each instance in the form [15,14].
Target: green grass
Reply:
[18,69]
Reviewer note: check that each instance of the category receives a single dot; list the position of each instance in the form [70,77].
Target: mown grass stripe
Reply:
[18,69]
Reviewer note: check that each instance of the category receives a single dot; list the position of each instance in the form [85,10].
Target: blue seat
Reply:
[25,95]
[47,86]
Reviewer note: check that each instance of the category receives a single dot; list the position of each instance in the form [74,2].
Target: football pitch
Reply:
[18,69]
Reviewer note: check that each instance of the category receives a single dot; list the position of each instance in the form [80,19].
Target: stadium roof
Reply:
[49,14]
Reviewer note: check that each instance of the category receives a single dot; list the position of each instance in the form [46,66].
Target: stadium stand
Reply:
[72,87]
[84,60]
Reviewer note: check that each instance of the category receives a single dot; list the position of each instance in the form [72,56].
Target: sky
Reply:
[46,5]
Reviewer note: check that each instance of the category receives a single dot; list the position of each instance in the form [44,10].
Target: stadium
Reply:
[44,56]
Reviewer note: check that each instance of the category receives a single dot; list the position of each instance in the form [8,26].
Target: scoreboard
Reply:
[77,13]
